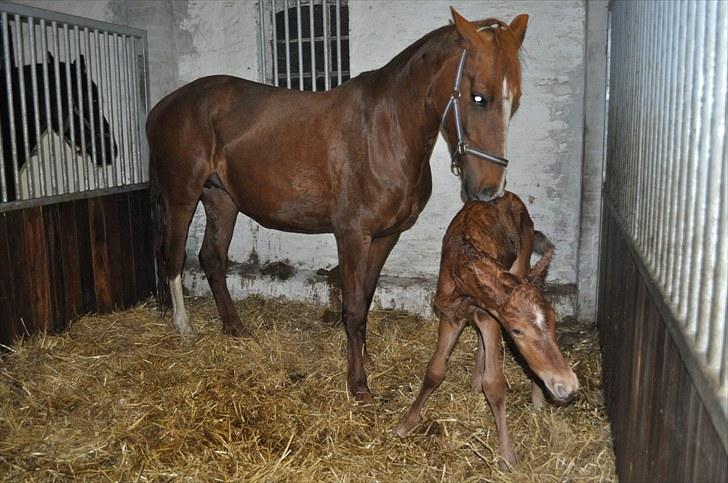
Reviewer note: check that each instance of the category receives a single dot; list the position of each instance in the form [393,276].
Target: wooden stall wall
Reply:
[660,426]
[63,260]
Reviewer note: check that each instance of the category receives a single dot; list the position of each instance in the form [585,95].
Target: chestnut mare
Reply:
[353,161]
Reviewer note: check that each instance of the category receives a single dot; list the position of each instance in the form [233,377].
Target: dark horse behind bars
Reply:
[353,161]
[77,110]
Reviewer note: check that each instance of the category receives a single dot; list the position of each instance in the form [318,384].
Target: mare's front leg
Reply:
[353,251]
[493,382]
[448,334]
[221,212]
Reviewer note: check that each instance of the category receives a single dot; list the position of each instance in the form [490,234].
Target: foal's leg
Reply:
[493,382]
[221,213]
[353,251]
[476,380]
[379,250]
[448,334]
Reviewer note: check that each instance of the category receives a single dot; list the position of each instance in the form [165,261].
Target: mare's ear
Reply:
[468,30]
[518,27]
[537,275]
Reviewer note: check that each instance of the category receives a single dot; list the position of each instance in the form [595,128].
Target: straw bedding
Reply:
[120,397]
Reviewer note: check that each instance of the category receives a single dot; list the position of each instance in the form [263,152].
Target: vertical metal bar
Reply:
[11,108]
[287,44]
[300,45]
[706,214]
[128,143]
[121,160]
[325,15]
[138,116]
[716,355]
[312,31]
[79,103]
[52,161]
[42,178]
[22,193]
[696,179]
[99,106]
[261,41]
[71,108]
[274,29]
[109,98]
[339,75]
[59,106]
[90,65]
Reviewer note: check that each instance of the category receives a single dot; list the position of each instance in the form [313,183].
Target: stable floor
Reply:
[121,397]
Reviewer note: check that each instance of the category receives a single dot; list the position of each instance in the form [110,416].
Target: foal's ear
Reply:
[467,29]
[537,275]
[518,27]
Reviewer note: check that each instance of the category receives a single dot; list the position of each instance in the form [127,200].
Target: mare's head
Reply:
[85,111]
[530,321]
[490,92]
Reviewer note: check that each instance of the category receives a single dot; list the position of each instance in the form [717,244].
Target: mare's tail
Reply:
[159,233]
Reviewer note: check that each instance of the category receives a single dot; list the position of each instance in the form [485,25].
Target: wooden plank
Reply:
[15,225]
[71,264]
[56,278]
[127,274]
[84,241]
[143,252]
[100,257]
[113,249]
[37,253]
[8,312]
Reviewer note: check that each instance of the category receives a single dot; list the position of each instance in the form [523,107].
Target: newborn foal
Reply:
[484,277]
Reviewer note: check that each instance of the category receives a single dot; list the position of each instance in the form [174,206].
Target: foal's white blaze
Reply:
[179,315]
[540,318]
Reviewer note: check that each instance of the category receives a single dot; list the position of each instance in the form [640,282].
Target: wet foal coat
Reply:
[485,279]
[353,161]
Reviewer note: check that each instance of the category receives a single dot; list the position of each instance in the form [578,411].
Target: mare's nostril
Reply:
[561,391]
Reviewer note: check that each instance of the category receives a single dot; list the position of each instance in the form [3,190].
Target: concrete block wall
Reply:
[189,39]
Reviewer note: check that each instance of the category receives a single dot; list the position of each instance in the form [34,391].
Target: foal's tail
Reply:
[159,233]
[541,244]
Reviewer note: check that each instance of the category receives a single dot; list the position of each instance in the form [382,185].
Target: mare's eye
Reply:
[516,332]
[480,99]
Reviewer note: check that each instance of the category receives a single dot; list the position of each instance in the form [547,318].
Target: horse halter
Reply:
[463,148]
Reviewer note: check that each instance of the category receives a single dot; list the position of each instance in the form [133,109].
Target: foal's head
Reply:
[489,95]
[530,320]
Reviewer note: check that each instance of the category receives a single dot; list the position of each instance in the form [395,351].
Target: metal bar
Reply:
[59,110]
[11,109]
[109,99]
[274,28]
[312,31]
[300,45]
[99,113]
[80,104]
[55,181]
[22,193]
[128,143]
[71,109]
[338,43]
[61,198]
[138,102]
[121,161]
[325,16]
[287,44]
[89,101]
[261,41]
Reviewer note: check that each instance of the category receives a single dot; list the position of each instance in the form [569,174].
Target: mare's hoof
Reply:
[236,330]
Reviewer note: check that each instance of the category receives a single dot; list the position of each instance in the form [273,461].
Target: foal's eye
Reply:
[516,332]
[480,99]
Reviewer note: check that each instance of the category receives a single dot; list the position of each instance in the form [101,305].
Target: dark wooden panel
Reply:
[660,427]
[100,256]
[61,261]
[70,260]
[8,314]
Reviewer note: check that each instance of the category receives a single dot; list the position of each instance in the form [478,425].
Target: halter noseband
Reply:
[463,148]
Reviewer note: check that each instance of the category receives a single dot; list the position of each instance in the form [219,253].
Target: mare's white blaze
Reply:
[179,314]
[506,112]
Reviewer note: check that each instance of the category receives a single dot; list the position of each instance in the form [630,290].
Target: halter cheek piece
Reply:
[463,148]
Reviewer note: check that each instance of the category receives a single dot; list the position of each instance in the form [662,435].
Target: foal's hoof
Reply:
[364,397]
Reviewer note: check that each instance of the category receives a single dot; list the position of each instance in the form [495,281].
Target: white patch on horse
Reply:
[506,112]
[540,319]
[180,320]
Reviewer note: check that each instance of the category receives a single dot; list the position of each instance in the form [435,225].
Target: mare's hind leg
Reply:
[221,213]
[448,334]
[493,382]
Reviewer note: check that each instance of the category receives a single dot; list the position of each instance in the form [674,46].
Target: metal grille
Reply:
[74,100]
[304,45]
[667,168]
